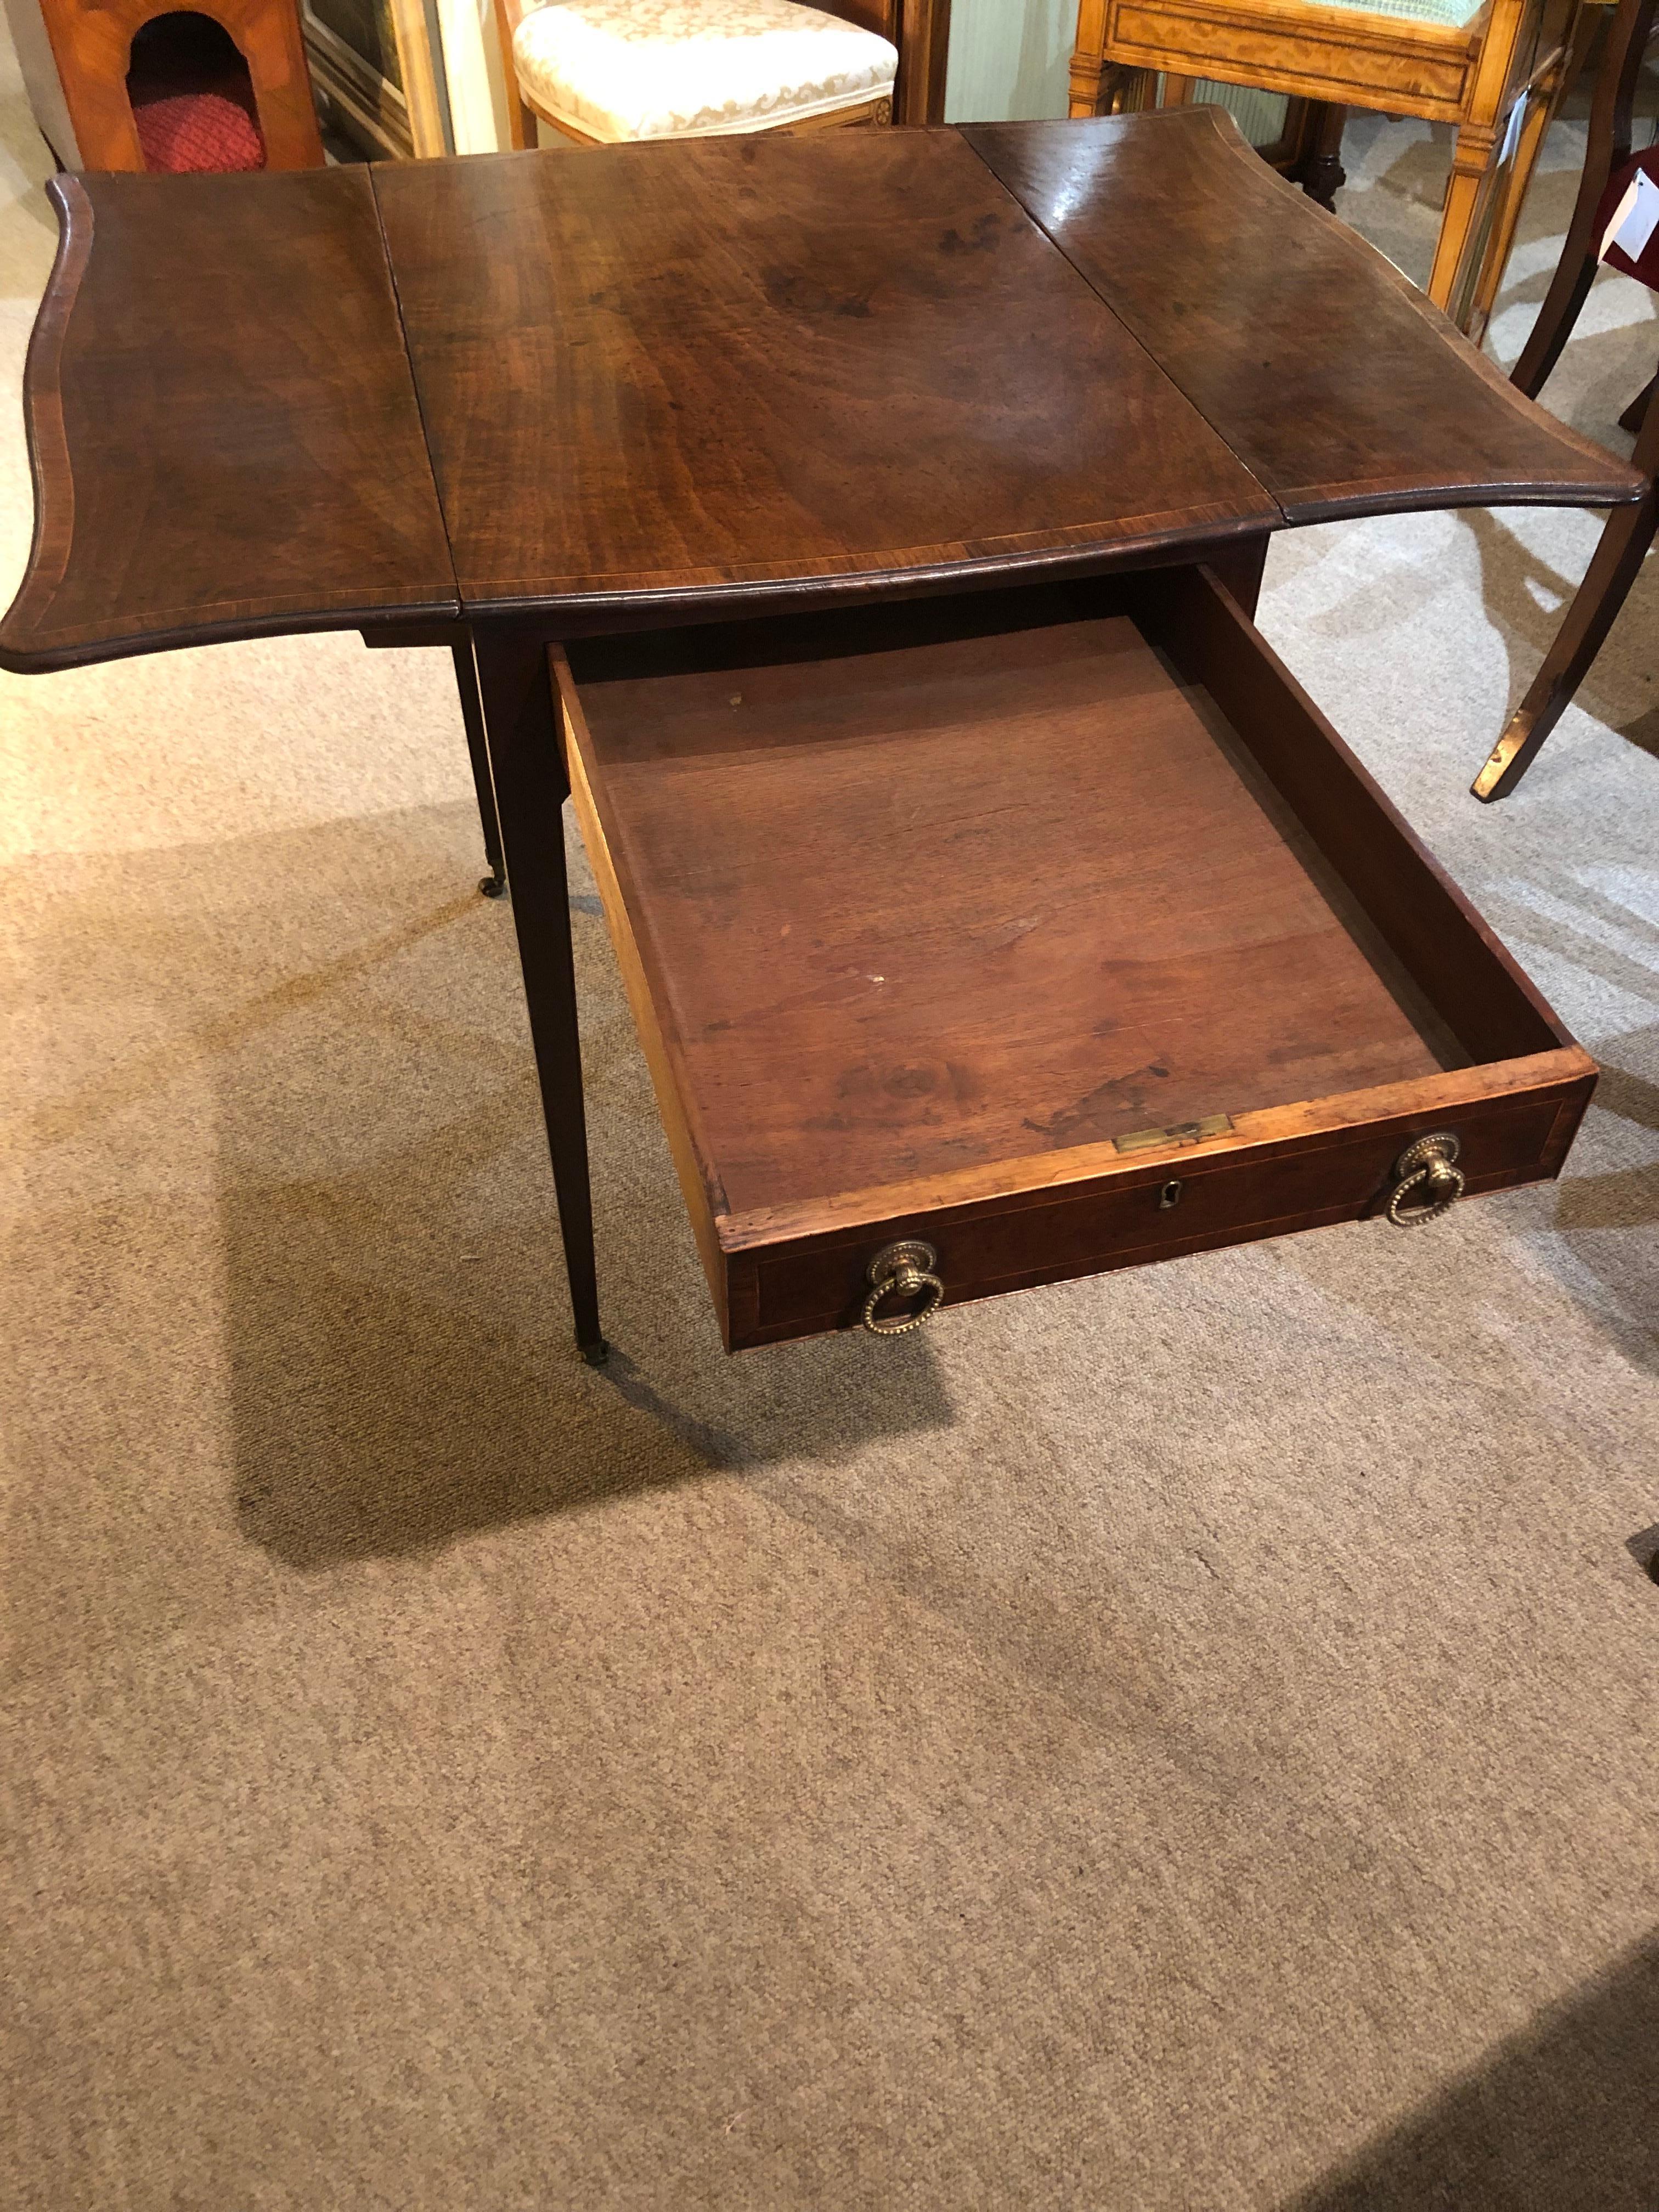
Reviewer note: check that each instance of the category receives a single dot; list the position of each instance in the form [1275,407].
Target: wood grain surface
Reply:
[683,380]
[1271,1187]
[1326,371]
[222,426]
[768,362]
[1386,1117]
[1476,988]
[924,909]
[984,896]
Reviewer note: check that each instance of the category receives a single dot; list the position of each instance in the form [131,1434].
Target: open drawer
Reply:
[1048,931]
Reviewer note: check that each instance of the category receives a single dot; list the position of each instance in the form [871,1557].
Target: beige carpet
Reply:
[1179,1743]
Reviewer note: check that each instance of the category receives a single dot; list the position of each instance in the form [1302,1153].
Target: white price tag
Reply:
[1634,219]
[1512,131]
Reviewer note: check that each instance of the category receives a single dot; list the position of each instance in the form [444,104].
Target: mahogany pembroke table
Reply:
[863,530]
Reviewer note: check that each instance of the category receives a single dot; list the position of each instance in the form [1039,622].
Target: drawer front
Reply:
[1161,1212]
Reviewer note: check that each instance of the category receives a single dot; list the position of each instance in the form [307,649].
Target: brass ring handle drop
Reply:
[1425,1165]
[902,1271]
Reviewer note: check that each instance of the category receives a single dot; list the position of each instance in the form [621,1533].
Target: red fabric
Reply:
[198,130]
[1646,269]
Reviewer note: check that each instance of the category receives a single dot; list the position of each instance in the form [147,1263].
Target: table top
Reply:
[1325,369]
[655,382]
[767,360]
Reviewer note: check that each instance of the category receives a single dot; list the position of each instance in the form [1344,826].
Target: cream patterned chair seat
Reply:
[610,70]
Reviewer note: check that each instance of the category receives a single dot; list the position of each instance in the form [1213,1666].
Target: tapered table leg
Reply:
[1240,568]
[527,771]
[466,682]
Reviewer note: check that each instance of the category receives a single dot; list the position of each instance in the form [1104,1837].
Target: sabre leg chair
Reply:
[1629,530]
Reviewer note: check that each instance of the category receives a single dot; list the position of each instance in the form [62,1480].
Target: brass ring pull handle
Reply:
[1425,1165]
[902,1271]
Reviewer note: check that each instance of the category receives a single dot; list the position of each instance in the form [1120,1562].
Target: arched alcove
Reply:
[192,96]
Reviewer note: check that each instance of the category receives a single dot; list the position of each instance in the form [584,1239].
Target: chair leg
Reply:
[1562,303]
[1471,158]
[466,682]
[1511,191]
[1322,174]
[1608,150]
[1586,23]
[1625,537]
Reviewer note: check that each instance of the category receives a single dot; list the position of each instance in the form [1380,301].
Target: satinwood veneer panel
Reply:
[664,370]
[1332,378]
[223,425]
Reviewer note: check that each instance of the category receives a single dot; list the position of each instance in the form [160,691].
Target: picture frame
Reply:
[378,67]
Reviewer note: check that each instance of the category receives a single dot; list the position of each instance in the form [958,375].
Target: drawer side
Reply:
[1466,974]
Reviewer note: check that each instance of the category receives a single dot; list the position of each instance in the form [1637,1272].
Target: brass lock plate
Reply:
[1178,1132]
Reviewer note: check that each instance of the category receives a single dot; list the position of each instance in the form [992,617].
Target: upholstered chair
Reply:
[599,71]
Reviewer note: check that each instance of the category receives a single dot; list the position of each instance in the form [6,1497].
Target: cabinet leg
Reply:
[527,772]
[1472,157]
[466,682]
[1084,84]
